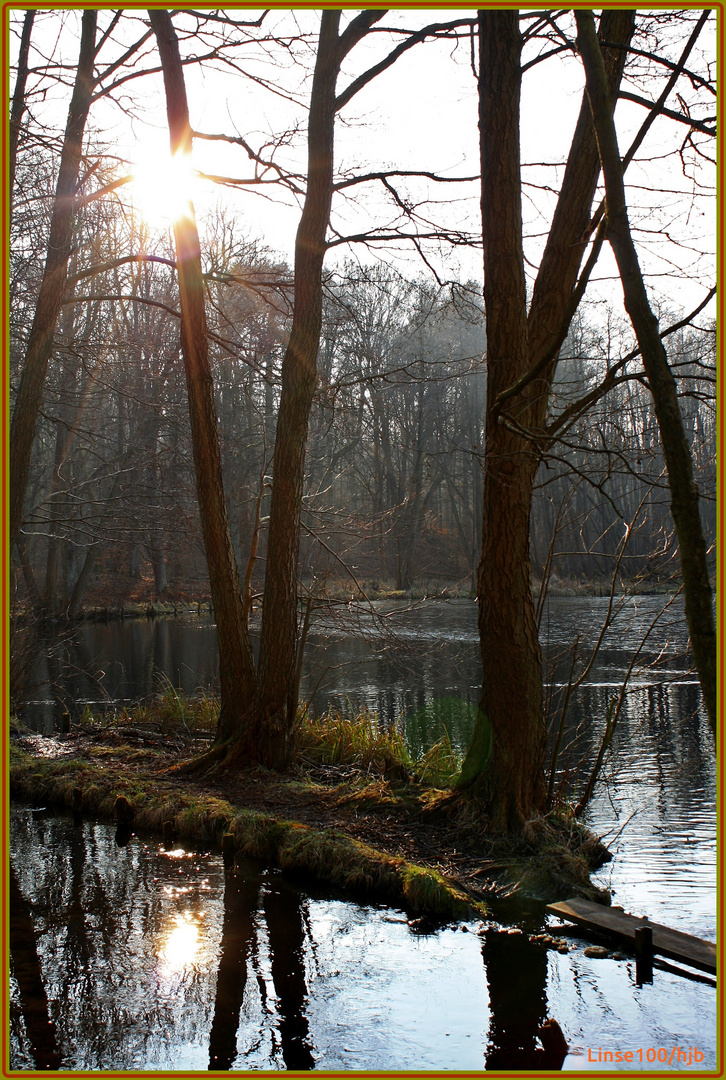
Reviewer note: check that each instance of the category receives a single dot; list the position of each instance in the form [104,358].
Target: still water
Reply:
[151,960]
[394,659]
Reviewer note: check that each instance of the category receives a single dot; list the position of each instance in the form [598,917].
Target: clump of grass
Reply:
[334,740]
[555,858]
[439,767]
[378,792]
[170,712]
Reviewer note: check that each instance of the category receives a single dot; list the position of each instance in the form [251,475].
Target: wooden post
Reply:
[643,955]
[228,849]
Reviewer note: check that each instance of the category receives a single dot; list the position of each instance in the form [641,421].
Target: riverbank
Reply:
[354,812]
[108,600]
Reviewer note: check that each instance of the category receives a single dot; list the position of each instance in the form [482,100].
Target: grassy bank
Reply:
[356,812]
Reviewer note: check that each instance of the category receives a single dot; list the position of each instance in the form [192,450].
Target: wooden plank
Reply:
[613,920]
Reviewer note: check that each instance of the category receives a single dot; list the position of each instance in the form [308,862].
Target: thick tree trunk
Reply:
[684,493]
[235,651]
[53,286]
[505,768]
[505,762]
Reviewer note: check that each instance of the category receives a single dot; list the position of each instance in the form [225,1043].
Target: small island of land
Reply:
[354,811]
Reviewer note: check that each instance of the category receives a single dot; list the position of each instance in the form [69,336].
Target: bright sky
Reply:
[419,114]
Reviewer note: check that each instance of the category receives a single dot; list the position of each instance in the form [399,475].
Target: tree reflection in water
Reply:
[238,943]
[516,970]
[286,933]
[286,930]
[26,969]
[154,959]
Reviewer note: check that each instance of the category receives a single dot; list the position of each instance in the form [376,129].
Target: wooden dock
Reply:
[674,944]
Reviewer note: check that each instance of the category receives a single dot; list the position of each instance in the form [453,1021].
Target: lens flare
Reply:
[163,186]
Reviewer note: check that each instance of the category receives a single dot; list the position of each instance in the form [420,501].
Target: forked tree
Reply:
[504,765]
[259,706]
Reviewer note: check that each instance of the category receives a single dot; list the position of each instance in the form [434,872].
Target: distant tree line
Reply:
[393,473]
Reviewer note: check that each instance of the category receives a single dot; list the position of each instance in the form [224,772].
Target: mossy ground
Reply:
[355,811]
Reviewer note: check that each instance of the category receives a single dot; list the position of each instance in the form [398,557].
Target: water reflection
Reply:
[26,973]
[241,896]
[516,971]
[287,935]
[394,664]
[158,960]
[179,945]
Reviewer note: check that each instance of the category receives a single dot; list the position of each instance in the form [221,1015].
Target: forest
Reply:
[354,421]
[361,326]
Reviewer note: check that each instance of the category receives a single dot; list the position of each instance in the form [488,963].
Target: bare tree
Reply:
[684,493]
[504,765]
[52,290]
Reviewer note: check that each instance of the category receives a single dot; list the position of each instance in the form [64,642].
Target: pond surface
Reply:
[393,659]
[154,959]
[316,979]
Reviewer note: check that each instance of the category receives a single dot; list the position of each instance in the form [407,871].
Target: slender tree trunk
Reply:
[83,580]
[550,314]
[235,651]
[55,501]
[278,641]
[31,584]
[53,286]
[684,493]
[18,106]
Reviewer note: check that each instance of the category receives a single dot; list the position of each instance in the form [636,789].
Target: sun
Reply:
[163,186]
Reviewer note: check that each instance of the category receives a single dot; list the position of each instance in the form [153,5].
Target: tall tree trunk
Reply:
[505,770]
[53,285]
[235,650]
[684,493]
[278,641]
[505,762]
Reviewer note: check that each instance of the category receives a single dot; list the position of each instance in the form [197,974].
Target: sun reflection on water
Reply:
[180,945]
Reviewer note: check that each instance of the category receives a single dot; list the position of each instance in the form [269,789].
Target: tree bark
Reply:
[278,640]
[505,763]
[18,106]
[235,650]
[276,706]
[53,286]
[549,314]
[684,493]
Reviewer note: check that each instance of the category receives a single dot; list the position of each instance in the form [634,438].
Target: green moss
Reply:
[359,765]
[479,752]
[427,891]
[327,855]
